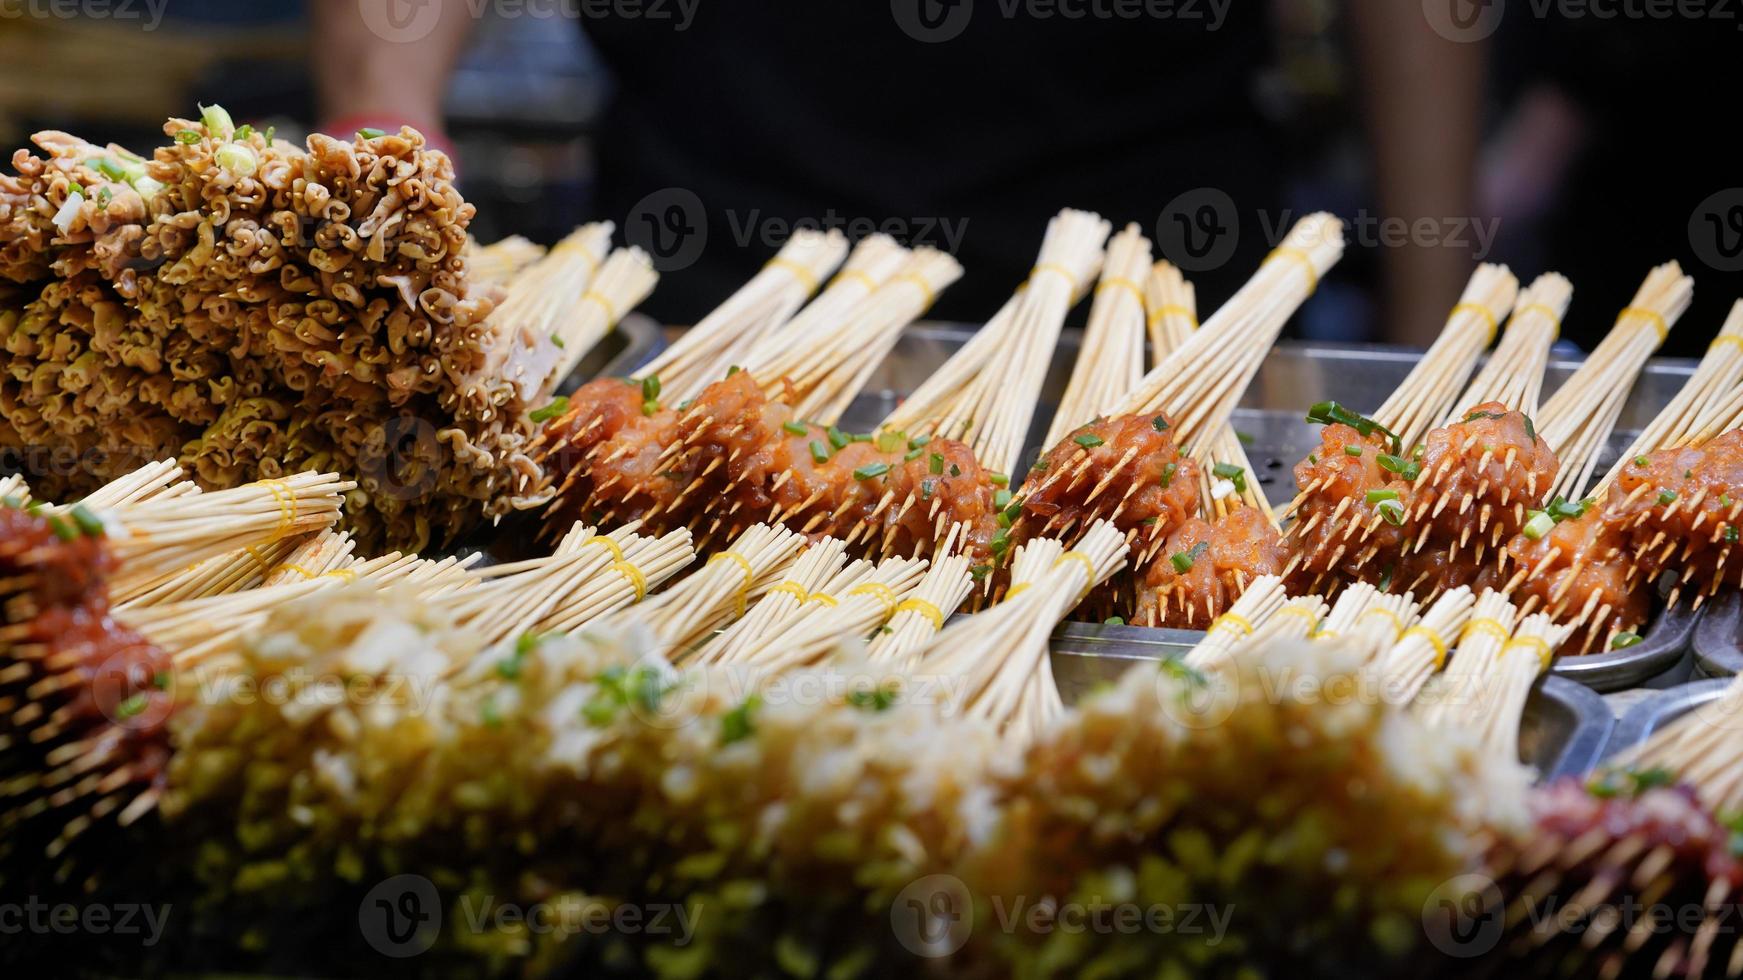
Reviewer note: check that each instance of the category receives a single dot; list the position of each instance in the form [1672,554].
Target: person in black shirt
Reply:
[955,123]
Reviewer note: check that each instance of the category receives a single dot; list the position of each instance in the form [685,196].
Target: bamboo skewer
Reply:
[1454,698]
[921,614]
[500,261]
[828,367]
[1515,670]
[1577,420]
[1262,600]
[811,574]
[1422,651]
[680,617]
[545,301]
[1429,390]
[1000,655]
[721,339]
[1702,749]
[1514,374]
[857,611]
[1112,358]
[1173,316]
[992,410]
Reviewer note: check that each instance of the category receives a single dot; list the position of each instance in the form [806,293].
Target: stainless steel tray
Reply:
[1718,640]
[1563,732]
[1661,709]
[1273,414]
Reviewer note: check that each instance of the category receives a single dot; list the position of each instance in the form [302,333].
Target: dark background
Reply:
[1604,139]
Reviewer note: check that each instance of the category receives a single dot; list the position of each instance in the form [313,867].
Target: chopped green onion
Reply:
[1392,511]
[955,470]
[132,706]
[1375,496]
[868,472]
[877,699]
[838,438]
[1000,543]
[1666,496]
[1168,472]
[1540,524]
[927,486]
[1624,640]
[998,479]
[557,407]
[1724,500]
[1182,560]
[217,121]
[819,452]
[1002,499]
[936,464]
[1159,423]
[1113,621]
[189,137]
[651,387]
[794,428]
[557,339]
[244,131]
[1089,440]
[65,530]
[1352,450]
[1232,473]
[912,454]
[1641,461]
[1246,438]
[370,132]
[739,723]
[1327,413]
[890,442]
[918,441]
[237,159]
[1406,468]
[1731,533]
[87,521]
[1530,430]
[1562,510]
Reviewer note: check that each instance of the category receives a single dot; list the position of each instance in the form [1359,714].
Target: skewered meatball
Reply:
[1126,469]
[1480,476]
[1578,573]
[1345,521]
[1680,511]
[1205,567]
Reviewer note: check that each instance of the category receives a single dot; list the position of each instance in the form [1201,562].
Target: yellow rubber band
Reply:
[604,304]
[1121,282]
[824,598]
[1173,309]
[806,277]
[343,574]
[1234,620]
[856,275]
[1489,626]
[1434,640]
[1726,339]
[606,543]
[1652,316]
[749,574]
[1323,635]
[1397,624]
[932,613]
[307,575]
[1017,590]
[1055,267]
[920,281]
[635,576]
[793,589]
[1545,653]
[1081,559]
[287,506]
[1302,259]
[1487,314]
[260,562]
[879,591]
[1555,321]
